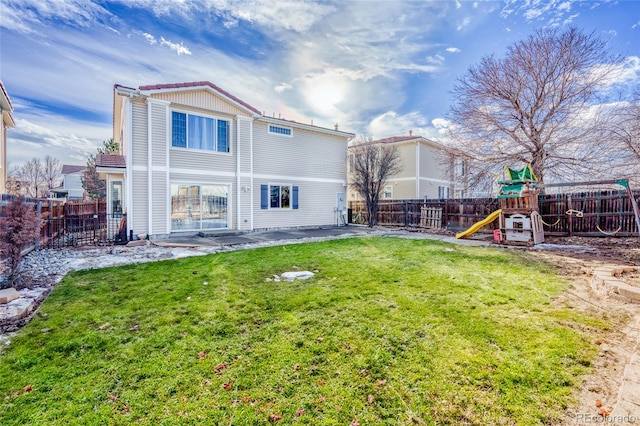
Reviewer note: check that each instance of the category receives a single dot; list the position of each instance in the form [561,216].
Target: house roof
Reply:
[282,121]
[6,106]
[110,160]
[150,89]
[394,139]
[399,139]
[68,169]
[200,84]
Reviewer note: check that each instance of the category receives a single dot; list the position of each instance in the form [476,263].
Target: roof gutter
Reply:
[129,92]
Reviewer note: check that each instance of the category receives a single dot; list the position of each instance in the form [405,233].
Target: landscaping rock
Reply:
[8,294]
[297,275]
[22,306]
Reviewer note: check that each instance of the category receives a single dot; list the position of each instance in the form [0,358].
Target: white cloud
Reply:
[627,73]
[391,123]
[22,16]
[69,142]
[179,48]
[151,39]
[453,50]
[282,87]
[637,24]
[435,59]
[566,6]
[552,12]
[464,23]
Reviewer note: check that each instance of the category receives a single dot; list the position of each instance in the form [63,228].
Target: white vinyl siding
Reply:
[203,100]
[159,135]
[316,207]
[308,154]
[244,194]
[139,134]
[139,210]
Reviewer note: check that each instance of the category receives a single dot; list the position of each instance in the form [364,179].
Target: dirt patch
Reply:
[606,390]
[631,278]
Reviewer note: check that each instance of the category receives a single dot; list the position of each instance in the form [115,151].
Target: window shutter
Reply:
[295,197]
[264,197]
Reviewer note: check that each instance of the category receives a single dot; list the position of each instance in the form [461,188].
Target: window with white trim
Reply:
[387,193]
[274,197]
[278,130]
[279,196]
[443,192]
[193,131]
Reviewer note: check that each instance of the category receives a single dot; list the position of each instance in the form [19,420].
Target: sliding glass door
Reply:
[196,207]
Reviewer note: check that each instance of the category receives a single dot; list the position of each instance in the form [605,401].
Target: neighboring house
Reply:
[197,159]
[427,172]
[6,110]
[71,188]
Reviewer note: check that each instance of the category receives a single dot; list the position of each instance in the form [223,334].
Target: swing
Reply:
[609,233]
[550,224]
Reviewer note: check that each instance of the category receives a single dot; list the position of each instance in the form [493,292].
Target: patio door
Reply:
[196,207]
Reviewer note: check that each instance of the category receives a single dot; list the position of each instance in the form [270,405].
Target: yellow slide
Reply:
[480,224]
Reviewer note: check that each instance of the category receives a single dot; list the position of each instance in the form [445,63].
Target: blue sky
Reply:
[378,68]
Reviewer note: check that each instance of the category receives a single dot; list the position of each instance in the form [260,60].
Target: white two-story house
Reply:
[196,159]
[427,172]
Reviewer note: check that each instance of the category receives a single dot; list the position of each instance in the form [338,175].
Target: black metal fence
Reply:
[96,229]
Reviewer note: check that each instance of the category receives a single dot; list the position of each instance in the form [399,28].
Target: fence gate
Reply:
[430,217]
[99,228]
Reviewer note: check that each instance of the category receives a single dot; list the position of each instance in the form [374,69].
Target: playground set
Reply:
[519,219]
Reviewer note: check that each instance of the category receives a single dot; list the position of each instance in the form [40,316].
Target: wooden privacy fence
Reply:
[587,214]
[454,214]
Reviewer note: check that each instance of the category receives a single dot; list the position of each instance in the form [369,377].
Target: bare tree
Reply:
[371,165]
[52,169]
[626,134]
[537,105]
[32,177]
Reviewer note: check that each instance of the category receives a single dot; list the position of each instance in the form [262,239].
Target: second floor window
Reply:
[197,132]
[277,130]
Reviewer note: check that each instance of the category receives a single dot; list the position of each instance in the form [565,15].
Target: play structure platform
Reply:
[519,213]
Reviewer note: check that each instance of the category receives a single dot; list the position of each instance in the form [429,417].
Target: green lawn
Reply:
[389,331]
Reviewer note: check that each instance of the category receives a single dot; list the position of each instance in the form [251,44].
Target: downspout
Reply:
[238,180]
[149,164]
[251,168]
[128,172]
[418,170]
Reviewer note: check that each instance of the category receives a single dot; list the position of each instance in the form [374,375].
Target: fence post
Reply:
[570,219]
[39,214]
[406,212]
[50,232]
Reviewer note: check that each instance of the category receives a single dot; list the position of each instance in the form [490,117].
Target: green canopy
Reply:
[521,175]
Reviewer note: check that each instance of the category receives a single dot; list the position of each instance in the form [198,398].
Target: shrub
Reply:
[19,228]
